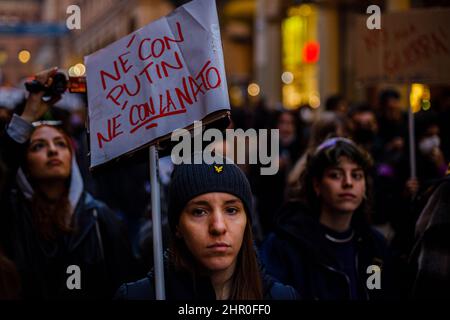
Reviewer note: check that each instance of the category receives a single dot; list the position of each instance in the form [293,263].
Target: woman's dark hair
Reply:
[329,154]
[246,282]
[49,217]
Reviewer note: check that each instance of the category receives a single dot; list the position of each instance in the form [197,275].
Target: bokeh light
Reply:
[24,56]
[253,89]
[287,77]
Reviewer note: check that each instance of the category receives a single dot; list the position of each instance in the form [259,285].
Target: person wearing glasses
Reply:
[65,244]
[323,244]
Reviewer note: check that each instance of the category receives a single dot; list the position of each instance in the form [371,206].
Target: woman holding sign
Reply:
[64,243]
[212,256]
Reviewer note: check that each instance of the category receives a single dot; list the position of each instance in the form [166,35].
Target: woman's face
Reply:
[212,225]
[342,187]
[48,155]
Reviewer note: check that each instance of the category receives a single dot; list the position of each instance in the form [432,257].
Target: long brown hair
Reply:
[246,282]
[49,216]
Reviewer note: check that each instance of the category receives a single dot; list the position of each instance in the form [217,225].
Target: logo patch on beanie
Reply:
[218,169]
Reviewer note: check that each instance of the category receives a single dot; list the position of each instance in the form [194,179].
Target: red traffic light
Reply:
[311,52]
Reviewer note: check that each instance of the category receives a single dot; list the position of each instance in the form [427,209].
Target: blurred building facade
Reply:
[105,21]
[286,52]
[102,22]
[299,52]
[13,13]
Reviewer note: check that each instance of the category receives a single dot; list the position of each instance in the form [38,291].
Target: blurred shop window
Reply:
[301,52]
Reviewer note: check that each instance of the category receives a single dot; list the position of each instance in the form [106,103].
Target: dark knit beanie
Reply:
[191,180]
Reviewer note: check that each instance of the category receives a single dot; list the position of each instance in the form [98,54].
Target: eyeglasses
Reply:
[53,123]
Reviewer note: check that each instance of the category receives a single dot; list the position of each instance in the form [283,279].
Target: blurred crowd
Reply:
[404,211]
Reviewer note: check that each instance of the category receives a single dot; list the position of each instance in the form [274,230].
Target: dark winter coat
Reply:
[183,286]
[298,254]
[430,257]
[97,246]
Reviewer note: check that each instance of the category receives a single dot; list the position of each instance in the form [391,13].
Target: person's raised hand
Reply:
[35,107]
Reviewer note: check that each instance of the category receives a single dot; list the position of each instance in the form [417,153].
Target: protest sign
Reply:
[411,46]
[162,77]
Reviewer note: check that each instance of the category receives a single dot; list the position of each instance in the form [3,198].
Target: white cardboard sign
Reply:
[161,77]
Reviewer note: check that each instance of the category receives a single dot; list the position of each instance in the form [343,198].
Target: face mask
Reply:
[428,144]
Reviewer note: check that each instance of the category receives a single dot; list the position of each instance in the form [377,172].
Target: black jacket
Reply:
[430,257]
[98,245]
[183,286]
[298,254]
